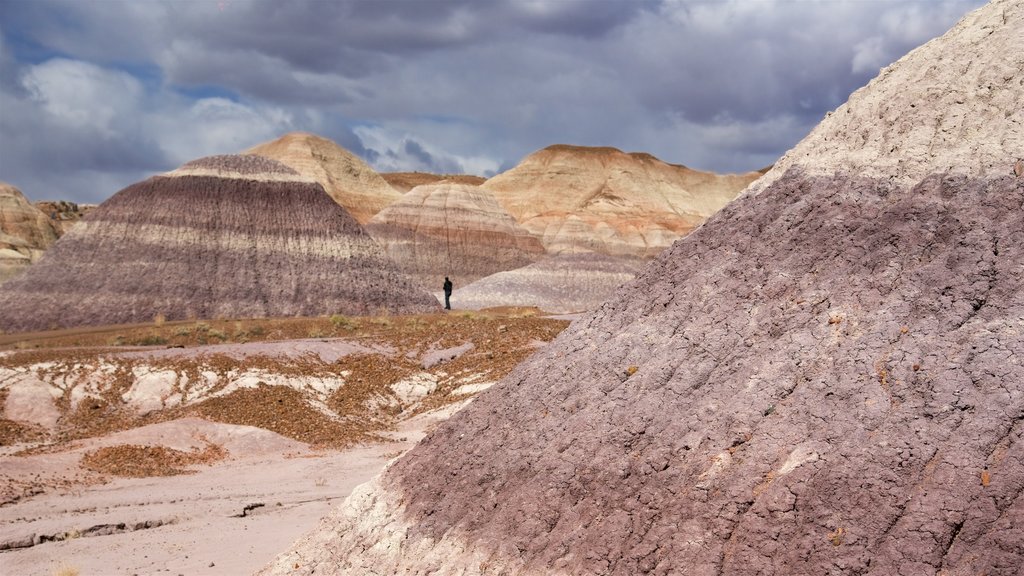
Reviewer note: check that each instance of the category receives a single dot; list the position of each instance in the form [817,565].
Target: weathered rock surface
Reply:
[224,236]
[581,199]
[350,181]
[454,230]
[558,284]
[825,378]
[64,214]
[405,181]
[25,232]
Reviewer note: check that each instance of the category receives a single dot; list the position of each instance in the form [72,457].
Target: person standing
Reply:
[447,293]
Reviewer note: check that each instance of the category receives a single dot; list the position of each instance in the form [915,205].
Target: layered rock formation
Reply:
[558,284]
[349,180]
[25,232]
[825,378]
[405,181]
[224,236]
[64,214]
[454,230]
[580,199]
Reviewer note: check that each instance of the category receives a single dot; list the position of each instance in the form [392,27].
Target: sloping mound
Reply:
[405,181]
[455,230]
[25,232]
[825,378]
[225,236]
[583,199]
[350,181]
[559,284]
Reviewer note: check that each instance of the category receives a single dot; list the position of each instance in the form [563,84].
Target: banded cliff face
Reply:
[405,181]
[454,230]
[580,199]
[349,180]
[825,378]
[224,236]
[25,232]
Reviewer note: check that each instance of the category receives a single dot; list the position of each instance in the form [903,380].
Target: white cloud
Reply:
[83,95]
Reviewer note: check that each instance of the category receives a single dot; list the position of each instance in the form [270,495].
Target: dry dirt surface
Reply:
[213,447]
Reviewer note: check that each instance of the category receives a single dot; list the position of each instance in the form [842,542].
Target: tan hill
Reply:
[350,181]
[557,284]
[455,230]
[25,232]
[581,199]
[64,214]
[220,237]
[405,181]
[824,378]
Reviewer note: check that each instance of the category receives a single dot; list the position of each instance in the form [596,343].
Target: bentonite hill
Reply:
[587,199]
[25,232]
[220,237]
[347,178]
[825,378]
[450,229]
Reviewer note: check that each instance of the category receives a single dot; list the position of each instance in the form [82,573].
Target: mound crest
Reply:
[825,378]
[224,236]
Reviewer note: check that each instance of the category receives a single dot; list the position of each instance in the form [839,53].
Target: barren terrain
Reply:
[208,447]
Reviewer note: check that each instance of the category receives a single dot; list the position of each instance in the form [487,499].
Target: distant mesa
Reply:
[824,378]
[351,182]
[25,232]
[455,230]
[558,284]
[584,199]
[405,181]
[219,237]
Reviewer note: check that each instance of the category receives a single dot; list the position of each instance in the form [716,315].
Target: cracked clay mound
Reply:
[224,236]
[825,378]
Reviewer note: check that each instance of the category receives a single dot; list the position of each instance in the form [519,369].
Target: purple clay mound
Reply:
[824,379]
[252,241]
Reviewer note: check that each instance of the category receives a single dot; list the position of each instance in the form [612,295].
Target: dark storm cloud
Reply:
[443,85]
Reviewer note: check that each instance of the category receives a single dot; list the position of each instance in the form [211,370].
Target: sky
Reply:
[98,94]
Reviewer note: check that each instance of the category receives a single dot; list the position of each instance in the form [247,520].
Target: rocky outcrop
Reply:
[25,232]
[349,180]
[454,230]
[405,181]
[558,284]
[580,199]
[822,379]
[63,214]
[224,236]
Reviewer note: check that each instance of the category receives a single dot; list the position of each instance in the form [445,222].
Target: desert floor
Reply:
[135,470]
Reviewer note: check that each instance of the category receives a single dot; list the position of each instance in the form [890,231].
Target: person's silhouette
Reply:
[447,293]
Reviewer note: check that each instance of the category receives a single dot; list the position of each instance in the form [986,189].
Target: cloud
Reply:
[112,91]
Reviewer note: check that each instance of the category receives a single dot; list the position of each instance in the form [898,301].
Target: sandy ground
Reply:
[193,524]
[283,419]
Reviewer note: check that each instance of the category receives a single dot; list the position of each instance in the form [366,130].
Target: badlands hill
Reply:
[405,181]
[558,284]
[220,237]
[25,232]
[455,230]
[581,199]
[349,180]
[824,378]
